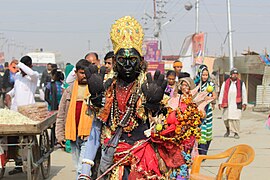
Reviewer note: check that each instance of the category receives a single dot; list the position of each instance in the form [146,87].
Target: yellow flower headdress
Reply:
[127,32]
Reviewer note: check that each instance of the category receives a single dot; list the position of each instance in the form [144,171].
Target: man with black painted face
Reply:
[128,64]
[122,104]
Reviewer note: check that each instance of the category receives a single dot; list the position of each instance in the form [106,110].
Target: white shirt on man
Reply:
[232,112]
[71,76]
[23,92]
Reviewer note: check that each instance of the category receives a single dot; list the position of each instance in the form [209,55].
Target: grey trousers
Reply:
[233,125]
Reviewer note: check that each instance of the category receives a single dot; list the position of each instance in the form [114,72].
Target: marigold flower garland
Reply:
[187,125]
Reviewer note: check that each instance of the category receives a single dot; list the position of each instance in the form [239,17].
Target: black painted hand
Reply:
[154,90]
[95,79]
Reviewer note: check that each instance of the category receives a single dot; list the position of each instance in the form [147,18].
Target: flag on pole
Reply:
[186,56]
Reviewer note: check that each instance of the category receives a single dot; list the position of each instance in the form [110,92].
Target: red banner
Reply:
[153,66]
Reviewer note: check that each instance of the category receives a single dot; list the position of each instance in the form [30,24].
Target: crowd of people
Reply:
[121,122]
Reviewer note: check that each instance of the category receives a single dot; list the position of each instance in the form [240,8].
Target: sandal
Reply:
[16,170]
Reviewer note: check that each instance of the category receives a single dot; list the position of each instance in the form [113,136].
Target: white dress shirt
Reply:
[23,92]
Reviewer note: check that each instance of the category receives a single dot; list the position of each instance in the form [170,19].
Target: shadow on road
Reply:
[54,171]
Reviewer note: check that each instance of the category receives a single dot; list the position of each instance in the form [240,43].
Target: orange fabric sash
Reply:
[85,123]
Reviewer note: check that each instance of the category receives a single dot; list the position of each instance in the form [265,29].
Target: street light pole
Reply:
[230,34]
[195,66]
[197,17]
[159,14]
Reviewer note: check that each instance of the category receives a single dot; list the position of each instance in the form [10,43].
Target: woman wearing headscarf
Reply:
[54,91]
[207,89]
[176,136]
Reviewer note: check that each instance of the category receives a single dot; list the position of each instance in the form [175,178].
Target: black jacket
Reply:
[45,78]
[1,82]
[6,80]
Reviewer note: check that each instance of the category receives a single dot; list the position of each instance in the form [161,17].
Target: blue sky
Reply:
[67,26]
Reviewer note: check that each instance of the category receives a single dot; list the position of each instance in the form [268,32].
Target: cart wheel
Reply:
[44,148]
[52,134]
[35,171]
[2,172]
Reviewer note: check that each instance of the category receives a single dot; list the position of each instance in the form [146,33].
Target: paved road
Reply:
[253,132]
[61,168]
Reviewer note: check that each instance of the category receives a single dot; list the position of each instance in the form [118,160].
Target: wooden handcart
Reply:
[36,142]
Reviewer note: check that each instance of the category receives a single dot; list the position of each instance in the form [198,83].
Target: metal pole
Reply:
[157,30]
[155,11]
[195,66]
[197,17]
[230,34]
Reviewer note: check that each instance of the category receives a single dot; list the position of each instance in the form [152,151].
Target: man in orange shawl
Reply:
[73,122]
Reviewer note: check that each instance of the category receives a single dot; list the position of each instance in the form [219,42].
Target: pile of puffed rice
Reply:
[9,117]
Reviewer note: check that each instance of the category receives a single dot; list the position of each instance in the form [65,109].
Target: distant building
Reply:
[168,61]
[251,68]
[170,58]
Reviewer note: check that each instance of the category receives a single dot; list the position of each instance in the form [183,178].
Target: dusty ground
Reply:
[253,132]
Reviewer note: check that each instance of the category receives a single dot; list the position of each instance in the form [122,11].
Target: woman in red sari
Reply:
[179,131]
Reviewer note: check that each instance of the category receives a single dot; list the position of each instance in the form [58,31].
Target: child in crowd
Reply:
[171,75]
